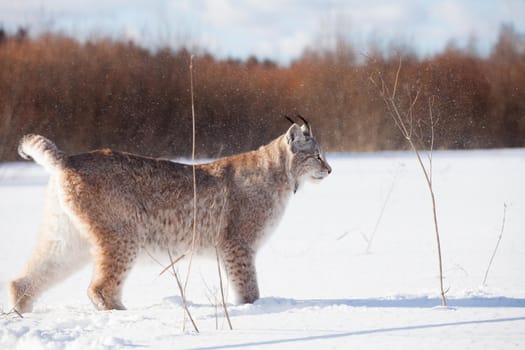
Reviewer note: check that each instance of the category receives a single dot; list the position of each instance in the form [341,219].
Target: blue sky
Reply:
[275,29]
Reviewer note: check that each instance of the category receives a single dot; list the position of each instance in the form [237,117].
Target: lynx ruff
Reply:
[112,206]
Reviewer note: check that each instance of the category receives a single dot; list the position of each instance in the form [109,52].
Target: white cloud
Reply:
[283,48]
[225,14]
[274,28]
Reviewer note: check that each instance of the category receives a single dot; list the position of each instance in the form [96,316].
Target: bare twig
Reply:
[211,295]
[387,198]
[223,299]
[179,284]
[397,78]
[194,225]
[431,101]
[11,312]
[171,264]
[16,312]
[346,233]
[217,255]
[194,229]
[406,130]
[182,293]
[497,244]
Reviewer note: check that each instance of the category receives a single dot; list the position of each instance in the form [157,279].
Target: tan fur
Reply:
[111,206]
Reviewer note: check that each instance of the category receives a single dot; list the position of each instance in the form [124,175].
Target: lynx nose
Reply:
[328,168]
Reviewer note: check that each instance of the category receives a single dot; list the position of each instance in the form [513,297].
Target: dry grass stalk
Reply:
[171,264]
[13,310]
[179,284]
[211,295]
[370,239]
[405,123]
[182,294]
[223,299]
[217,256]
[194,228]
[497,244]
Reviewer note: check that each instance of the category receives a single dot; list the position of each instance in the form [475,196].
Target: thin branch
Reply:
[431,100]
[171,264]
[194,228]
[421,164]
[387,198]
[497,244]
[18,313]
[13,311]
[182,293]
[179,284]
[397,121]
[226,313]
[346,234]
[383,91]
[397,116]
[397,78]
[411,112]
[215,302]
[223,298]
[434,216]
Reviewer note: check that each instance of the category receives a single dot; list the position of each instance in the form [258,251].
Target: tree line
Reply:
[106,93]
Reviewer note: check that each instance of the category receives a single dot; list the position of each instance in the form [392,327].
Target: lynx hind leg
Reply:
[114,257]
[21,295]
[239,261]
[54,259]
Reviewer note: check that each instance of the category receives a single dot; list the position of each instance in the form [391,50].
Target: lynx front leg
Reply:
[113,260]
[239,261]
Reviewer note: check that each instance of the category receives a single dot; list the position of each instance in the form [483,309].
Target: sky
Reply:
[279,30]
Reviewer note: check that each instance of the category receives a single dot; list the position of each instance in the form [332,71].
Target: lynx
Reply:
[112,206]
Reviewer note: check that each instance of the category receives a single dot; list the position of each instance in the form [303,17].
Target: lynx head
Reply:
[308,159]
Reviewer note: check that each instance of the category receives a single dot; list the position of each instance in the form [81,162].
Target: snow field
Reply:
[323,284]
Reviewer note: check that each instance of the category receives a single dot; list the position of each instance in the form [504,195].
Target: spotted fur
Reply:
[111,206]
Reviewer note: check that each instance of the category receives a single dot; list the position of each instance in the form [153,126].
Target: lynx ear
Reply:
[307,129]
[295,137]
[294,134]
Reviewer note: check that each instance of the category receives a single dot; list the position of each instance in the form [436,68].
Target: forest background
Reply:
[104,92]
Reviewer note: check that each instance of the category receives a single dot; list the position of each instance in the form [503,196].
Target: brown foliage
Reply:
[113,94]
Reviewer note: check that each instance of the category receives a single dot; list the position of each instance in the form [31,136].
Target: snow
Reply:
[340,272]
